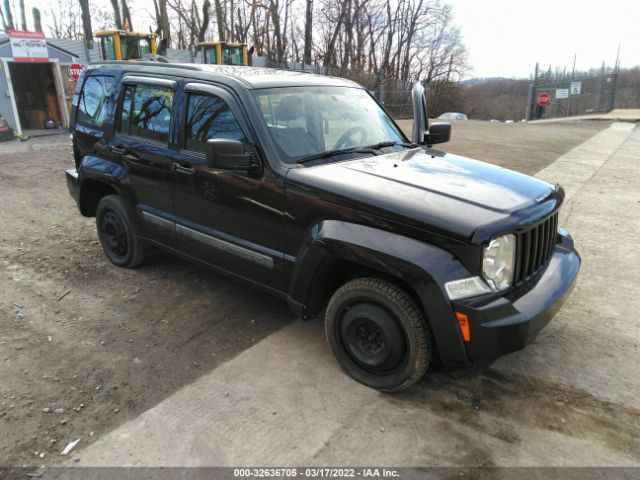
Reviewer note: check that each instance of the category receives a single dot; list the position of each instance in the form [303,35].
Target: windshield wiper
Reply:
[366,149]
[388,143]
[327,154]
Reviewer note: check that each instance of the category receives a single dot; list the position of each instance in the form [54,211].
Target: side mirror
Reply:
[227,154]
[420,118]
[438,133]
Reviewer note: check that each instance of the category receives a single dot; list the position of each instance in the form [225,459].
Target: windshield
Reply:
[307,121]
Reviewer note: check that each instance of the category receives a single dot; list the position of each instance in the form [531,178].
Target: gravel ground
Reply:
[85,346]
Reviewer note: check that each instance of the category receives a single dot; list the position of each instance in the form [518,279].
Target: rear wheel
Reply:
[117,234]
[378,334]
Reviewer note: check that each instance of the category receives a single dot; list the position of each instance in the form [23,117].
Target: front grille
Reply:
[534,247]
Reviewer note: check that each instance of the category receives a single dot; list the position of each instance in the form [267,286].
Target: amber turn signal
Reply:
[463,324]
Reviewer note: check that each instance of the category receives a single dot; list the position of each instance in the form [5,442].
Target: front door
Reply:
[142,142]
[230,219]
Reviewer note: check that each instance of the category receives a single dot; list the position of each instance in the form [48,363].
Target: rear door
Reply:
[143,143]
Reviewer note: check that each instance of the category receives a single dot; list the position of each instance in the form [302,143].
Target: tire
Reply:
[117,233]
[378,334]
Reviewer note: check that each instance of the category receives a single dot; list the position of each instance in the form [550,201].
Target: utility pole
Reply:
[616,74]
[599,89]
[573,72]
[530,97]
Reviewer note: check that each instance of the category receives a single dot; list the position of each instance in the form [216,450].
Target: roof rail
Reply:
[183,66]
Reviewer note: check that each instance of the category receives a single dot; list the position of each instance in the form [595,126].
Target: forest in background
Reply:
[369,41]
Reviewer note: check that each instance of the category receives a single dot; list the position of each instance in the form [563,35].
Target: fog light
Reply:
[466,287]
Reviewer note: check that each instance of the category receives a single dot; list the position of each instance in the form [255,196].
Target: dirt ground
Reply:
[527,148]
[85,346]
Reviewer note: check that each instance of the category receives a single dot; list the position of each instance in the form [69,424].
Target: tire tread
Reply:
[413,313]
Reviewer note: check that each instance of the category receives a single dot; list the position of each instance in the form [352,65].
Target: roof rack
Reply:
[183,66]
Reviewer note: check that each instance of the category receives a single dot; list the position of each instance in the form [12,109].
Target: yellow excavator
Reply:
[125,45]
[224,53]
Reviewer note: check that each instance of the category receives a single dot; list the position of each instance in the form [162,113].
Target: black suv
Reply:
[305,186]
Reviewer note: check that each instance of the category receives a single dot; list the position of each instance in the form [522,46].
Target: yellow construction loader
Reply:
[224,53]
[124,45]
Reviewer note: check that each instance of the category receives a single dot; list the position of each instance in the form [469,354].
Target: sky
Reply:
[506,38]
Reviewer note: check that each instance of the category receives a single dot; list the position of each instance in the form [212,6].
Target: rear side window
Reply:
[146,112]
[93,104]
[208,117]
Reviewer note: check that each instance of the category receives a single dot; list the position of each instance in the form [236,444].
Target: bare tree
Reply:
[23,16]
[220,20]
[86,19]
[126,15]
[7,16]
[66,20]
[162,20]
[193,21]
[37,19]
[204,24]
[366,40]
[308,32]
[116,14]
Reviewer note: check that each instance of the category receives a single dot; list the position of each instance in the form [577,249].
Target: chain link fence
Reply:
[574,95]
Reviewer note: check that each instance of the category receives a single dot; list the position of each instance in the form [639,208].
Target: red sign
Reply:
[544,99]
[28,46]
[74,71]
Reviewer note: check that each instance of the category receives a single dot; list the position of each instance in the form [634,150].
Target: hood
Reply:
[450,194]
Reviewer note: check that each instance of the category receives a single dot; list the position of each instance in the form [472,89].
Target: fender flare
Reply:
[97,169]
[424,267]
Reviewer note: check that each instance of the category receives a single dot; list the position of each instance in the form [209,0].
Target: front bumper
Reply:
[73,184]
[512,321]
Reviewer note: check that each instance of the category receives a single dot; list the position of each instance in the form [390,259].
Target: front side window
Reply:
[146,112]
[231,55]
[94,100]
[306,121]
[208,117]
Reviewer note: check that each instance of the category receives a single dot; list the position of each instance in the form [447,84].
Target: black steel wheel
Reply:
[372,337]
[116,232]
[378,334]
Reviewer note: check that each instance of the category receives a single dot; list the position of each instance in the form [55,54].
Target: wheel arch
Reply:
[100,177]
[336,252]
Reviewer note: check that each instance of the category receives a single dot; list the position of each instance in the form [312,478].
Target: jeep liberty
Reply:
[305,186]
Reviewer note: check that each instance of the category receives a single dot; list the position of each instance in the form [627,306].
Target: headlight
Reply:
[498,262]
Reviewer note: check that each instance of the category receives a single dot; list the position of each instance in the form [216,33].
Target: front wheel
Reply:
[378,334]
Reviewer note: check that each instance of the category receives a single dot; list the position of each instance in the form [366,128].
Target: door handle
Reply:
[118,150]
[176,167]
